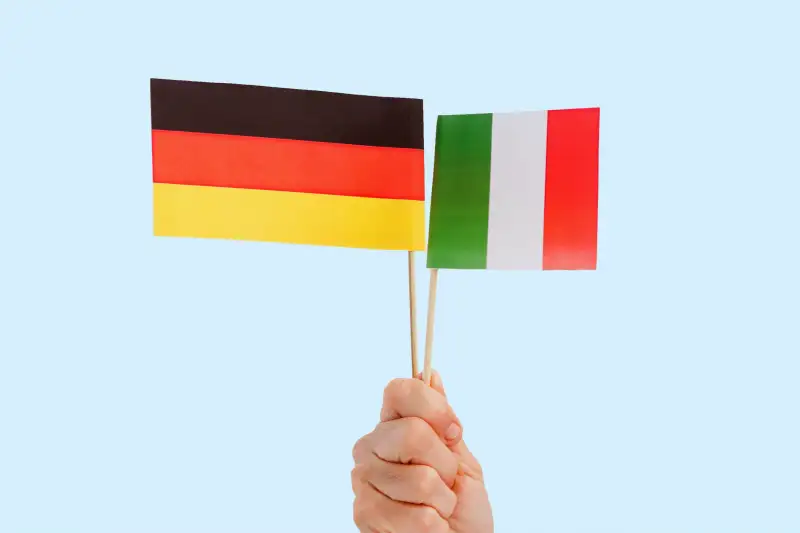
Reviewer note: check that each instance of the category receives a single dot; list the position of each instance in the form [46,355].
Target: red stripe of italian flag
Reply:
[516,191]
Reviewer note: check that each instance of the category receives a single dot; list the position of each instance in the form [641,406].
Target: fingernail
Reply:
[452,432]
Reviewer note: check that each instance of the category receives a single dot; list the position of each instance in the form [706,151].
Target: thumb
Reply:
[468,464]
[437,383]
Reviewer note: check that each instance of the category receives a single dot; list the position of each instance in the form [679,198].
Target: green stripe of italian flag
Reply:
[516,191]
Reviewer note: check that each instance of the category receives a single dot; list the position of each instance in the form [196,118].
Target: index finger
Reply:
[407,398]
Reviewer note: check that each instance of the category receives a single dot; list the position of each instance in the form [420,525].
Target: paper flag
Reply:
[286,165]
[515,191]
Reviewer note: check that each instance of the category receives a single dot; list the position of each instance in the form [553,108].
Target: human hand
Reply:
[413,473]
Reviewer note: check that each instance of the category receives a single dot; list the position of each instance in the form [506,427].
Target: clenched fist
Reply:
[413,473]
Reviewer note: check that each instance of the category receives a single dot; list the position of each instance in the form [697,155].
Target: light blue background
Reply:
[155,385]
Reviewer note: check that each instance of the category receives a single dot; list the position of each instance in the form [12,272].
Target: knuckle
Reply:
[404,389]
[355,482]
[394,388]
[416,427]
[408,387]
[429,481]
[418,433]
[359,448]
[429,521]
[440,527]
[361,513]
[358,473]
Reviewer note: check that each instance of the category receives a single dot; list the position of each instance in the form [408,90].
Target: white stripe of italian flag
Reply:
[516,191]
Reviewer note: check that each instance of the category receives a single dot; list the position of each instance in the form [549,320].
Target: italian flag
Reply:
[515,191]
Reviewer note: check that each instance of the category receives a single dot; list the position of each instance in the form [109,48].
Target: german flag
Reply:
[286,165]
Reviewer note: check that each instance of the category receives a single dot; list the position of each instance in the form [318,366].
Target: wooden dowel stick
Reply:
[412,305]
[426,375]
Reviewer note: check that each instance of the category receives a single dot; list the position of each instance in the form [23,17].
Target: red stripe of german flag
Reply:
[360,156]
[214,160]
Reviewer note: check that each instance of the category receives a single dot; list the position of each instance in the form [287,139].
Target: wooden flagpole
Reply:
[426,375]
[412,305]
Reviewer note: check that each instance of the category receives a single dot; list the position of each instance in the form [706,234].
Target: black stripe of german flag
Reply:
[287,165]
[279,113]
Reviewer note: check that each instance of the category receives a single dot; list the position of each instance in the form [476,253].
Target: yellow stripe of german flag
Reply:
[288,217]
